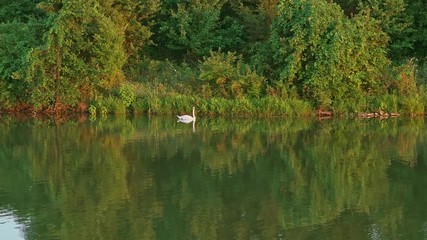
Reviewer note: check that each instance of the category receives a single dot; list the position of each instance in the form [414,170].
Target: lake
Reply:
[154,178]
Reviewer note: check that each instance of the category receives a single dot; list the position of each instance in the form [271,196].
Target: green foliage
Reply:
[83,52]
[417,9]
[229,77]
[394,20]
[134,17]
[325,56]
[388,103]
[412,104]
[254,16]
[404,21]
[92,111]
[421,73]
[155,100]
[182,78]
[405,83]
[405,86]
[196,27]
[19,11]
[350,7]
[16,41]
[108,104]
[118,102]
[127,94]
[332,54]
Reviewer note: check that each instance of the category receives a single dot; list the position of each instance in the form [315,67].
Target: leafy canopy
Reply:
[325,56]
[198,26]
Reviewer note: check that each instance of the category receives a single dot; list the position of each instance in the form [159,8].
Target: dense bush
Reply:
[158,56]
[325,56]
[229,77]
[78,52]
[410,92]
[196,27]
[16,41]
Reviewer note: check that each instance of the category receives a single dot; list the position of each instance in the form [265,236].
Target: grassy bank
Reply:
[266,106]
[150,101]
[164,88]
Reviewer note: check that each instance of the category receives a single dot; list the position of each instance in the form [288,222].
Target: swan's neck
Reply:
[194,116]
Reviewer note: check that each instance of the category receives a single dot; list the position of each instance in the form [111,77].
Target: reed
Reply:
[169,89]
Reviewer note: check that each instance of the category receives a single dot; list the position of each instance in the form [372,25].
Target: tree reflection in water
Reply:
[153,178]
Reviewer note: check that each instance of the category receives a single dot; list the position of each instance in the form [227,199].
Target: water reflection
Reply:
[152,178]
[187,122]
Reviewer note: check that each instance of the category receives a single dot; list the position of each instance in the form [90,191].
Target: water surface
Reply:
[154,178]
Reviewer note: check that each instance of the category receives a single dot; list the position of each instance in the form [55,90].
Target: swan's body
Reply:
[187,118]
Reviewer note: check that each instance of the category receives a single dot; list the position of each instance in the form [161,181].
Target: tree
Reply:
[418,9]
[229,77]
[19,10]
[85,49]
[83,52]
[404,21]
[256,17]
[21,28]
[196,27]
[76,51]
[395,22]
[135,17]
[16,41]
[325,56]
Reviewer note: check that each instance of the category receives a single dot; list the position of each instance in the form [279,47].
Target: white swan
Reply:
[187,118]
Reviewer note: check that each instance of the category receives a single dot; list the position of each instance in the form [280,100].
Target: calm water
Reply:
[153,178]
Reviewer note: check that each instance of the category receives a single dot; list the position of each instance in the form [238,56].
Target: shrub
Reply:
[140,105]
[421,73]
[326,56]
[181,77]
[227,76]
[411,104]
[405,82]
[127,94]
[92,110]
[386,102]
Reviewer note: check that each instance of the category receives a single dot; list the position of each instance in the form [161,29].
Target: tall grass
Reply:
[168,89]
[421,77]
[167,104]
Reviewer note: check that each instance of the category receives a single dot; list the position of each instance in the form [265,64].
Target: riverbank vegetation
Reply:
[238,57]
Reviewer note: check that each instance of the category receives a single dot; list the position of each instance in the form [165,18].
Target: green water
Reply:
[154,178]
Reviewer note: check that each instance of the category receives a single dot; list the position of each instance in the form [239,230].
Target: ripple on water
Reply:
[9,226]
